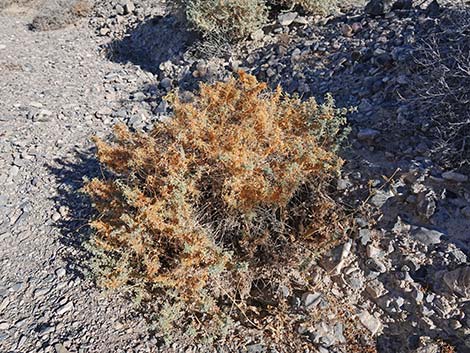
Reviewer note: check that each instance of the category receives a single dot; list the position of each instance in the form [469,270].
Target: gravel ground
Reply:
[406,275]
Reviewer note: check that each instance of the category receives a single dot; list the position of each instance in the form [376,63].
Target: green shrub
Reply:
[232,188]
[228,20]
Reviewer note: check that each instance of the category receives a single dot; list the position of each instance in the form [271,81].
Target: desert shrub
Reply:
[442,87]
[234,187]
[227,20]
[56,14]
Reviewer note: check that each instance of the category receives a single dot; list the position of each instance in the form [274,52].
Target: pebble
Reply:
[129,7]
[347,30]
[311,300]
[166,83]
[60,272]
[287,18]
[367,134]
[375,288]
[59,348]
[41,292]
[65,308]
[44,115]
[45,329]
[14,170]
[4,326]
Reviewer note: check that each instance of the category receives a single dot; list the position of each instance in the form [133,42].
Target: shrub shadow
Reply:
[152,43]
[74,227]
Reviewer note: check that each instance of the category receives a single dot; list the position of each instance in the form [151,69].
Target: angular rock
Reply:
[458,281]
[370,322]
[287,18]
[426,236]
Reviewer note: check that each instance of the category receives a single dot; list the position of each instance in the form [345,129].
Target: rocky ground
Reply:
[405,276]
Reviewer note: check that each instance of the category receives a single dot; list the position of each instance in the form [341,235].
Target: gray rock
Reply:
[454,176]
[256,348]
[403,5]
[378,7]
[466,212]
[129,7]
[60,272]
[14,170]
[41,292]
[257,35]
[365,236]
[426,236]
[45,329]
[311,300]
[380,198]
[433,9]
[426,203]
[59,348]
[287,18]
[376,265]
[458,281]
[367,134]
[65,308]
[166,83]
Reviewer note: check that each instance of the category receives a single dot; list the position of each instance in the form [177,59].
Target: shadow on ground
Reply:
[74,228]
[152,43]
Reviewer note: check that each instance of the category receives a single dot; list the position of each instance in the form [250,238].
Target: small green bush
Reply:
[232,188]
[228,20]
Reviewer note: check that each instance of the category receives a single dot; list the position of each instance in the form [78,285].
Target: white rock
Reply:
[370,322]
[287,18]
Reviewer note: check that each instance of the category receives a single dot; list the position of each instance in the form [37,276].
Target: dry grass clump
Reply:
[224,20]
[443,87]
[56,14]
[231,190]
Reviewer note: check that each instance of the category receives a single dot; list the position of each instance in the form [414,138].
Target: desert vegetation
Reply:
[443,88]
[234,176]
[234,184]
[231,21]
